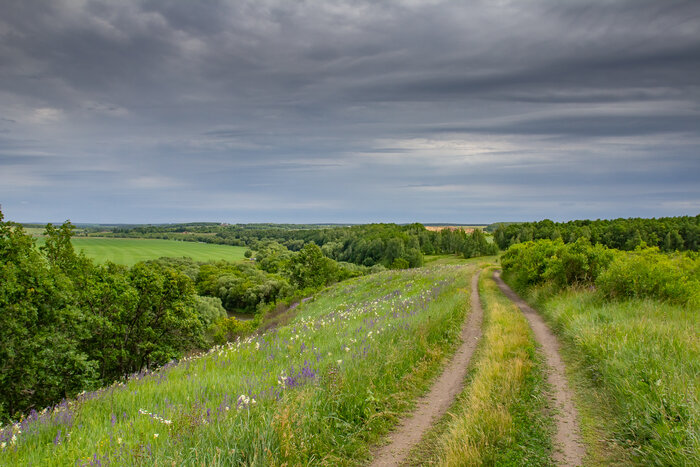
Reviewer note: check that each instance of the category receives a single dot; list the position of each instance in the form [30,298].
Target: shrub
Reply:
[648,273]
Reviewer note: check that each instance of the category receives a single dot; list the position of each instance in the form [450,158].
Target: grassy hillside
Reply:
[637,365]
[319,390]
[129,251]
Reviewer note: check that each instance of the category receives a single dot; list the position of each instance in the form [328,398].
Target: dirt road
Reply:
[569,449]
[441,396]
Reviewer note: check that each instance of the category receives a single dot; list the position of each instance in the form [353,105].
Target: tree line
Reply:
[389,245]
[666,233]
[645,272]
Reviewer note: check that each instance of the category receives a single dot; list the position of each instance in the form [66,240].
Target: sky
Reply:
[150,111]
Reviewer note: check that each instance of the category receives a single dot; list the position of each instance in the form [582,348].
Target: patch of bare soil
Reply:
[569,449]
[442,394]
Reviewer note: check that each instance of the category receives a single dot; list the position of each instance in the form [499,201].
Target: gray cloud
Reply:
[266,110]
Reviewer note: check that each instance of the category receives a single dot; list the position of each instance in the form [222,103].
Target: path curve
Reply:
[568,447]
[442,394]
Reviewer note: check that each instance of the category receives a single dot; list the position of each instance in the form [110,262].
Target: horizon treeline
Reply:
[389,245]
[667,233]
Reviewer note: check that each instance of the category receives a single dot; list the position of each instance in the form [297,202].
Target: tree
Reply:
[309,268]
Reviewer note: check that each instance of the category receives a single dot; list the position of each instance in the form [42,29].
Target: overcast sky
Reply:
[139,111]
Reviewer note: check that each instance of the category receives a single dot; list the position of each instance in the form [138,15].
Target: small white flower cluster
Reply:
[155,417]
[15,431]
[245,401]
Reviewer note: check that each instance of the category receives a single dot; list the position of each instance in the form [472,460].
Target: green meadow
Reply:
[320,390]
[129,251]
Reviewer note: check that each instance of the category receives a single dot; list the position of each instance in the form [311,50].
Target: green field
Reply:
[129,251]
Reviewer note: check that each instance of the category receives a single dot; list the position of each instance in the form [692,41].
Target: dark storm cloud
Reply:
[348,111]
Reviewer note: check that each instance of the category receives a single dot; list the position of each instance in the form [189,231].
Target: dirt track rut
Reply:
[442,394]
[569,449]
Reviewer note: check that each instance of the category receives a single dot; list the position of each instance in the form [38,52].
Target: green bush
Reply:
[649,273]
[645,272]
[227,329]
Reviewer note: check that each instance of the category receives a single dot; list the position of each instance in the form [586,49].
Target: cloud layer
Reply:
[347,111]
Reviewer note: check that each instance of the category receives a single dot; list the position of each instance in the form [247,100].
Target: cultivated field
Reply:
[129,251]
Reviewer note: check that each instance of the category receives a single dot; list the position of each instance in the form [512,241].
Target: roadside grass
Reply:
[320,390]
[500,418]
[129,251]
[636,368]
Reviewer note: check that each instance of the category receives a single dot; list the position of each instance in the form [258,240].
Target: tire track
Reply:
[442,394]
[568,447]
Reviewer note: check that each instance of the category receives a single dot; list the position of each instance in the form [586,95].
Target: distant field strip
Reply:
[129,251]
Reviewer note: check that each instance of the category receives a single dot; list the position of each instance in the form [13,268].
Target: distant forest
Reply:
[390,245]
[667,233]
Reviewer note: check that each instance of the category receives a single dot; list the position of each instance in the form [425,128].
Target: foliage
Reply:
[476,245]
[68,325]
[240,287]
[228,329]
[310,269]
[645,272]
[209,309]
[667,233]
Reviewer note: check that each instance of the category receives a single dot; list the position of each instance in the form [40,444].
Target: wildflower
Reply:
[339,362]
[2,445]
[155,435]
[347,349]
[119,441]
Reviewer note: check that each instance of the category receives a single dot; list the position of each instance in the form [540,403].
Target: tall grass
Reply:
[640,363]
[500,417]
[317,391]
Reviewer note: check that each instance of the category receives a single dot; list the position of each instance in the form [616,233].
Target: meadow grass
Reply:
[129,251]
[636,368]
[500,418]
[318,391]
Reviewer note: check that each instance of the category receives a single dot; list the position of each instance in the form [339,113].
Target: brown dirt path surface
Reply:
[442,394]
[568,447]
